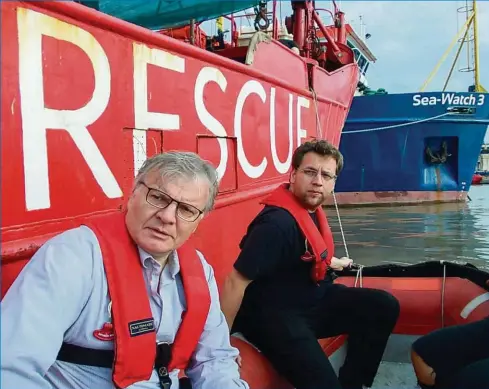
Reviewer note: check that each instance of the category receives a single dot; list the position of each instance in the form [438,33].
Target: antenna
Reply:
[477,86]
[362,27]
[469,29]
[472,44]
[468,38]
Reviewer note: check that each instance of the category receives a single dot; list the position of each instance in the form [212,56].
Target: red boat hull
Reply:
[427,304]
[88,97]
[477,179]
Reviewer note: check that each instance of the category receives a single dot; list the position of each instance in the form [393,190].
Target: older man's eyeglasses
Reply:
[312,173]
[159,199]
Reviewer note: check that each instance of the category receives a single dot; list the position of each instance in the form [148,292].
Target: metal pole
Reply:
[476,52]
[458,52]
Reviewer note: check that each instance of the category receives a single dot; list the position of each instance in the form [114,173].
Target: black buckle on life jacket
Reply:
[163,358]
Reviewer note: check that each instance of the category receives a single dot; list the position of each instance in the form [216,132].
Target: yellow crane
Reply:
[471,22]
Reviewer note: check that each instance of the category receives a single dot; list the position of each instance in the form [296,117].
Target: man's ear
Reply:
[129,202]
[292,176]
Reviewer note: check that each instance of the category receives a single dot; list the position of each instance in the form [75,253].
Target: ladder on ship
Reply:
[469,33]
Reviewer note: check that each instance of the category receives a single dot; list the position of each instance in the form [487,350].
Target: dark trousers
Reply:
[288,338]
[459,355]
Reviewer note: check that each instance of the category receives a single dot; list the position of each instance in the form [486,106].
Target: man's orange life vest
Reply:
[135,336]
[320,240]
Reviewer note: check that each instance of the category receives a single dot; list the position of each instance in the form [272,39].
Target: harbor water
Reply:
[456,232]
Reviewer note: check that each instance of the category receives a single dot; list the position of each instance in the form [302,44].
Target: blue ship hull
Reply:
[411,148]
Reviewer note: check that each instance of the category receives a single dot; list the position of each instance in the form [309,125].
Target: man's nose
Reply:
[169,214]
[318,179]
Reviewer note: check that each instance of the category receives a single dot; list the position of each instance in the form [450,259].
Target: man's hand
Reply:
[239,360]
[340,263]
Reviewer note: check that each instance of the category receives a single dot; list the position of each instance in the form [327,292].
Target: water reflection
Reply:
[410,234]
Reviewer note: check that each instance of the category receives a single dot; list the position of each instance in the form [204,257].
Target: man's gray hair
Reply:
[182,164]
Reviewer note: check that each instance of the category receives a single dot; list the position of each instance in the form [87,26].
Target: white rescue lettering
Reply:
[144,120]
[250,87]
[302,102]
[281,167]
[36,118]
[206,75]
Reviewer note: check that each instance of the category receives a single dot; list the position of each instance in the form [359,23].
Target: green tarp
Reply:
[159,14]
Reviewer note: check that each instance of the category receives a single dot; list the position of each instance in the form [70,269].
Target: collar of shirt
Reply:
[173,263]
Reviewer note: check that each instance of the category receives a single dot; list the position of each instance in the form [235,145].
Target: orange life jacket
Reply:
[135,336]
[320,240]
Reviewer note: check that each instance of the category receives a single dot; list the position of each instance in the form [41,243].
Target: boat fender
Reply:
[473,304]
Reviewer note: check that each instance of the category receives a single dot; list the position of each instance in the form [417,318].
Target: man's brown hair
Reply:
[320,147]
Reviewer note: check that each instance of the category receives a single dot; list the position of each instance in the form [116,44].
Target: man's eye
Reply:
[158,197]
[187,209]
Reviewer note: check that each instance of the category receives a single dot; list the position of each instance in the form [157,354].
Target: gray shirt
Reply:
[61,296]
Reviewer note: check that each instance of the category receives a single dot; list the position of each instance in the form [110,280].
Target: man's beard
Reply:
[312,202]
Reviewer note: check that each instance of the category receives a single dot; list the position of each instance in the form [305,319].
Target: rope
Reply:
[318,125]
[359,268]
[318,122]
[341,225]
[359,275]
[397,125]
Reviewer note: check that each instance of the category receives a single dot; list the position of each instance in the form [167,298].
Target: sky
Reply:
[408,38]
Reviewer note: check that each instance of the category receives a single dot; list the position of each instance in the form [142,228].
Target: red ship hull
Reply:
[87,97]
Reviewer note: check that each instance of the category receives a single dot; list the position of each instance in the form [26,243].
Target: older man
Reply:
[281,285]
[123,300]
